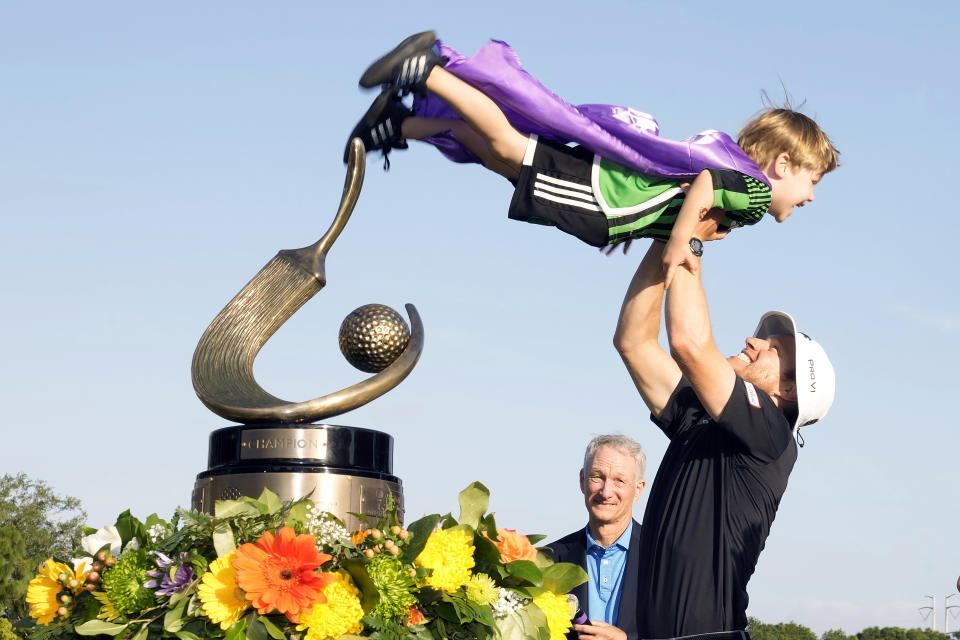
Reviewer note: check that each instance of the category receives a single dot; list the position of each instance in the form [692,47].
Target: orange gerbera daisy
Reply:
[281,572]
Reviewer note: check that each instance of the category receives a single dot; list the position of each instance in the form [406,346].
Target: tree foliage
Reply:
[780,631]
[35,524]
[793,631]
[899,633]
[836,634]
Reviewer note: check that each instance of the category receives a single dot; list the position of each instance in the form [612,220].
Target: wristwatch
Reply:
[696,247]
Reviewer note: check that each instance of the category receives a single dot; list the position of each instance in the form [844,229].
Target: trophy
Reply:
[279,445]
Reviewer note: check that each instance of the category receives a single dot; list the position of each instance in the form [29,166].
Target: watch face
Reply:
[696,246]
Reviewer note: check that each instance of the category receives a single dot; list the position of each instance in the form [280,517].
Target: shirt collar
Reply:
[623,541]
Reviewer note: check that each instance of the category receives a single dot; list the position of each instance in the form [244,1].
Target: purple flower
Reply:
[181,580]
[166,581]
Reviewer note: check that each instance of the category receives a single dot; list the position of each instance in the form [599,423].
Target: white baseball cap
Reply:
[816,380]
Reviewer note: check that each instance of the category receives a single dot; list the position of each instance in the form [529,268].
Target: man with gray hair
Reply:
[611,481]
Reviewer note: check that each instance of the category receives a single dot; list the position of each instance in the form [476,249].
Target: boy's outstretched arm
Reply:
[696,204]
[654,372]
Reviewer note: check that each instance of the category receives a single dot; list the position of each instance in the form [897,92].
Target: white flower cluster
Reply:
[508,602]
[157,532]
[325,527]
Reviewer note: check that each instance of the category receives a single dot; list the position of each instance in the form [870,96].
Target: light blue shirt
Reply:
[605,568]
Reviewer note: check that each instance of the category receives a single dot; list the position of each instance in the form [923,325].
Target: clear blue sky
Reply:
[154,156]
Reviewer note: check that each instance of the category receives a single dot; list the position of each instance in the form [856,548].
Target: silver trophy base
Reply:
[337,493]
[344,470]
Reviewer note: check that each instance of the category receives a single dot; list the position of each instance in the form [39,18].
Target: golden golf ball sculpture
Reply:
[373,336]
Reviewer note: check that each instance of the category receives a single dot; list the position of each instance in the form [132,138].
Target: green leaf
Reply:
[419,532]
[271,501]
[535,622]
[511,628]
[153,519]
[474,501]
[99,627]
[484,614]
[370,596]
[187,635]
[534,538]
[194,604]
[297,514]
[529,591]
[562,577]
[223,539]
[183,593]
[465,528]
[255,628]
[489,524]
[525,570]
[142,632]
[465,610]
[486,555]
[129,528]
[232,508]
[448,521]
[272,629]
[237,631]
[447,611]
[173,619]
[543,559]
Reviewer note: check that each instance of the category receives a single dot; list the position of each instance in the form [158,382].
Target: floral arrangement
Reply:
[262,568]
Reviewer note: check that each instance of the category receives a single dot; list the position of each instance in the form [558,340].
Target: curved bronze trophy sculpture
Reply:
[347,469]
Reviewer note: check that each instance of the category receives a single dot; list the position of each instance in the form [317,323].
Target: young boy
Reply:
[622,182]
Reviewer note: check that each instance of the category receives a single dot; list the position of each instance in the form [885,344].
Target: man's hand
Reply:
[706,229]
[598,630]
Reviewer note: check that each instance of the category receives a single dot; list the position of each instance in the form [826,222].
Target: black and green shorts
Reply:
[554,188]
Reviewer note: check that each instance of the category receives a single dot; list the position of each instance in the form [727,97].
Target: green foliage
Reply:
[6,630]
[383,629]
[563,577]
[474,501]
[35,524]
[381,558]
[780,631]
[898,633]
[836,634]
[419,532]
[793,631]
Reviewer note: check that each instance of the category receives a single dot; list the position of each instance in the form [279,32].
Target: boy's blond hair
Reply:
[777,131]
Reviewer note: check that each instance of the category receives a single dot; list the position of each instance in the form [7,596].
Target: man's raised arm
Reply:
[653,371]
[692,344]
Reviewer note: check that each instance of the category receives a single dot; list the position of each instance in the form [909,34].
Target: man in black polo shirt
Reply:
[732,424]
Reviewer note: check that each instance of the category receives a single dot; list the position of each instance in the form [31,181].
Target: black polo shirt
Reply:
[710,510]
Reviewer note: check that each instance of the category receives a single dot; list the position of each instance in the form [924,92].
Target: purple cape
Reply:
[621,134]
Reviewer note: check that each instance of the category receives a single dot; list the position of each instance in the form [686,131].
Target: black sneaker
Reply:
[379,128]
[406,67]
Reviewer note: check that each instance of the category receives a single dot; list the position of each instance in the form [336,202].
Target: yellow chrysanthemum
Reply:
[558,611]
[223,601]
[108,610]
[450,554]
[340,614]
[482,590]
[43,590]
